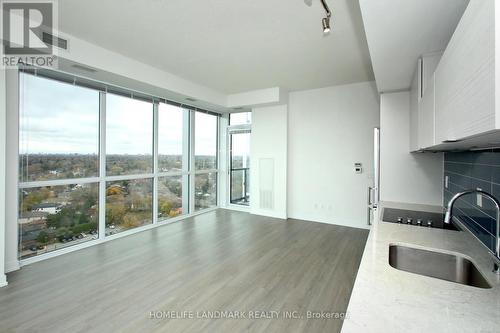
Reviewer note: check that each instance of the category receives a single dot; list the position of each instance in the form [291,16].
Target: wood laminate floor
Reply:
[218,261]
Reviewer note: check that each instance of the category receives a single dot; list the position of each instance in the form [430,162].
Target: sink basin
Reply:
[438,265]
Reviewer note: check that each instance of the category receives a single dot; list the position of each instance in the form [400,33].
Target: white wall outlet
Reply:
[479,199]
[446,179]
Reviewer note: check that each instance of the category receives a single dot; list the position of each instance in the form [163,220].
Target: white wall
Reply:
[330,129]
[405,177]
[269,141]
[3,118]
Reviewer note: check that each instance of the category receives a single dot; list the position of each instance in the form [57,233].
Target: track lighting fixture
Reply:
[326,20]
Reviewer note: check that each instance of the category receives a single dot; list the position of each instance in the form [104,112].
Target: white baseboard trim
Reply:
[344,223]
[236,208]
[3,280]
[12,266]
[269,214]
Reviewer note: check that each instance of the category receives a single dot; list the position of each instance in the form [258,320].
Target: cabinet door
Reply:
[465,76]
[429,65]
[426,116]
[414,105]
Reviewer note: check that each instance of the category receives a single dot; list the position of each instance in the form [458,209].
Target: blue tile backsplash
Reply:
[472,170]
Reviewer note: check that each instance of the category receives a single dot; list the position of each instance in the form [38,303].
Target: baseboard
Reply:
[344,223]
[3,280]
[269,214]
[12,266]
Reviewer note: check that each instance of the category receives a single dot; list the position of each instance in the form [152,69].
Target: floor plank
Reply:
[218,261]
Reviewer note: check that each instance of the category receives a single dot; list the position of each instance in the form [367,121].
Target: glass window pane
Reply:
[205,191]
[58,130]
[242,118]
[128,204]
[205,149]
[172,199]
[170,137]
[129,136]
[240,168]
[54,217]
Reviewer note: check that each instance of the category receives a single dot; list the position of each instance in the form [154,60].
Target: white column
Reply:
[11,169]
[3,137]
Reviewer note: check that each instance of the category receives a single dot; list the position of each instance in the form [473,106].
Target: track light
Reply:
[326,20]
[326,25]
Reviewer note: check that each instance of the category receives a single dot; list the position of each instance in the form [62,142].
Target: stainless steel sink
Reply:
[438,265]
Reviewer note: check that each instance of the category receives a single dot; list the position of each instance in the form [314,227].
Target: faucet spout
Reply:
[449,214]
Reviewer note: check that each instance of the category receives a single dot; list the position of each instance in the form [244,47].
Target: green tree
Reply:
[42,237]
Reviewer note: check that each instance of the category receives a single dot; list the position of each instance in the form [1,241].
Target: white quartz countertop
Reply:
[385,299]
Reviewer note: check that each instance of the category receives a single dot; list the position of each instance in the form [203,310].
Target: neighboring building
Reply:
[50,208]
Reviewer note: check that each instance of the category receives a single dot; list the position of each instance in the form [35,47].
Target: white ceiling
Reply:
[231,46]
[399,31]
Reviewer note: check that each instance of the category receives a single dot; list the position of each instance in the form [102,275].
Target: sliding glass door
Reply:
[239,132]
[240,168]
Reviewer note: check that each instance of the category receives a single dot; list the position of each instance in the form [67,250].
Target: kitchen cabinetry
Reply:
[414,103]
[465,77]
[457,108]
[426,125]
[422,103]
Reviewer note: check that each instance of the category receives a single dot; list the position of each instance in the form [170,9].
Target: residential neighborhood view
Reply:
[54,217]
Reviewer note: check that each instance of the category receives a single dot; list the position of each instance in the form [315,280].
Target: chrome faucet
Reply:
[447,220]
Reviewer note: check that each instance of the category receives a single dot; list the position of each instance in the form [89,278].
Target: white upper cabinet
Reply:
[426,115]
[414,103]
[465,96]
[422,103]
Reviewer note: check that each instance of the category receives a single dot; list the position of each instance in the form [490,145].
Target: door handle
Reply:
[369,216]
[370,191]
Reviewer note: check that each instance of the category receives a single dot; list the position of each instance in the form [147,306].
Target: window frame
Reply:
[102,179]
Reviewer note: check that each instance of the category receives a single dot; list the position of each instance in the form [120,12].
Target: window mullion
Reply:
[102,165]
[192,130]
[155,162]
[186,160]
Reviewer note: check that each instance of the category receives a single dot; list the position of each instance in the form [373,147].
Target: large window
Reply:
[205,190]
[129,204]
[58,130]
[205,149]
[93,164]
[171,138]
[205,160]
[54,217]
[173,161]
[58,142]
[129,136]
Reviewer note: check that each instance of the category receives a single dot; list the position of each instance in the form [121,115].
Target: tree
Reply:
[130,221]
[165,206]
[114,214]
[42,237]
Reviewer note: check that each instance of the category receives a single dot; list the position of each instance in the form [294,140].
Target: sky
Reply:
[59,118]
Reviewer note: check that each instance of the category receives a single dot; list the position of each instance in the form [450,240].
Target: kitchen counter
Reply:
[385,299]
